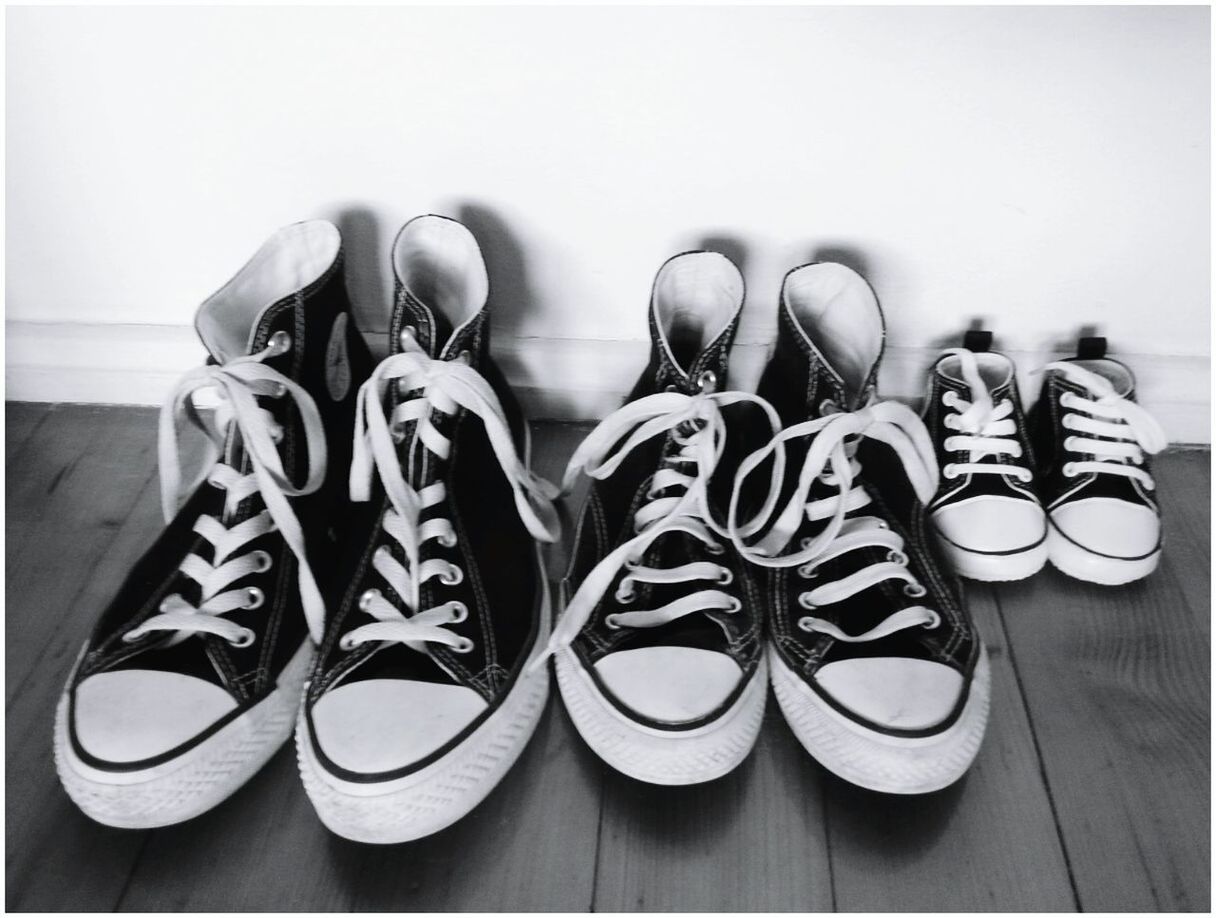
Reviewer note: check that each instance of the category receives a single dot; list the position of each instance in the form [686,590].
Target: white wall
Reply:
[1041,168]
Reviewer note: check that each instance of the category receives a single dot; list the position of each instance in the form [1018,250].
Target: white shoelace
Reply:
[985,428]
[1130,430]
[831,458]
[444,386]
[687,474]
[238,382]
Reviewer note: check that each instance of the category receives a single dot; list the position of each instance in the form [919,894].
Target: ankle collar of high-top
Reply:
[694,310]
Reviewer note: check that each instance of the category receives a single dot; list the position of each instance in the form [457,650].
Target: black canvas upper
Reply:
[309,317]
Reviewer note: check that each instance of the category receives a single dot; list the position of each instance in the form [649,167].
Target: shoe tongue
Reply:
[1112,371]
[995,370]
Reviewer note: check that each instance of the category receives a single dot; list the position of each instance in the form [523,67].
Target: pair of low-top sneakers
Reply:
[1069,482]
[730,540]
[356,559]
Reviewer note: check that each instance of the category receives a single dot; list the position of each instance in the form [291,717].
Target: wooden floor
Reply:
[1091,790]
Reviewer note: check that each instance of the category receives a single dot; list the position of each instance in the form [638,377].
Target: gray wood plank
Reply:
[751,841]
[21,419]
[1184,488]
[1117,683]
[987,843]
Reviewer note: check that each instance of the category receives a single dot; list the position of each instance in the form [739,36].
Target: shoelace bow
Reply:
[238,383]
[831,459]
[444,386]
[984,428]
[686,474]
[1126,430]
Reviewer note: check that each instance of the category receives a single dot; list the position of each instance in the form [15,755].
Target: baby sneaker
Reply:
[422,697]
[192,677]
[658,652]
[987,514]
[1092,442]
[875,662]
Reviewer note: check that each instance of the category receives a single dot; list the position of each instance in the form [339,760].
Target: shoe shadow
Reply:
[894,827]
[369,278]
[842,254]
[512,298]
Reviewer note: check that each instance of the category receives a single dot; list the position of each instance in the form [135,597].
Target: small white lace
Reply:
[985,428]
[699,430]
[831,459]
[443,386]
[1128,431]
[238,383]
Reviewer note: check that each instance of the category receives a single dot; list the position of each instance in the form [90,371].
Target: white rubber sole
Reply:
[1073,560]
[436,796]
[662,756]
[879,761]
[995,568]
[197,780]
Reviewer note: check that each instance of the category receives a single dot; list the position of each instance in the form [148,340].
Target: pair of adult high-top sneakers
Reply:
[731,539]
[1069,483]
[357,559]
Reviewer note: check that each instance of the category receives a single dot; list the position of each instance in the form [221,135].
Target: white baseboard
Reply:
[556,378]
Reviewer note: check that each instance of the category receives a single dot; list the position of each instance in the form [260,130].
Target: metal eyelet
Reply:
[408,333]
[950,398]
[131,637]
[1070,444]
[726,577]
[465,357]
[246,638]
[453,576]
[736,605]
[459,611]
[280,343]
[828,406]
[263,560]
[950,470]
[345,642]
[254,598]
[447,540]
[1069,470]
[624,597]
[611,622]
[465,645]
[806,623]
[808,571]
[897,557]
[365,601]
[716,548]
[804,600]
[934,621]
[708,381]
[914,590]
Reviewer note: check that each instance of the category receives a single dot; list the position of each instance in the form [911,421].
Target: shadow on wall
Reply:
[511,294]
[369,279]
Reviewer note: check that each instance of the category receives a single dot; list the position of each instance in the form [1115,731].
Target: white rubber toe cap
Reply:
[992,524]
[670,684]
[1108,526]
[133,714]
[379,725]
[894,692]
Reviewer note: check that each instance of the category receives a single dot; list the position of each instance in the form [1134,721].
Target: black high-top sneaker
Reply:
[422,699]
[874,660]
[658,652]
[986,513]
[192,678]
[1092,442]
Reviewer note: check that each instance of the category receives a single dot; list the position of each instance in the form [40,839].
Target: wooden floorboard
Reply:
[987,843]
[1092,785]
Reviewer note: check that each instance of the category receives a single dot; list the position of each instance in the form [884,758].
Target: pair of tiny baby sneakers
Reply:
[1069,482]
[731,540]
[357,558]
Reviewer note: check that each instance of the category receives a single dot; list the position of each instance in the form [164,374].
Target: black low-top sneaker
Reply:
[874,659]
[987,512]
[658,651]
[192,677]
[422,697]
[1092,442]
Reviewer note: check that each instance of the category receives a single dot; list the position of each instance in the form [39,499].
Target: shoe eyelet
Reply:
[365,600]
[625,597]
[246,638]
[708,381]
[736,605]
[716,548]
[447,540]
[897,557]
[254,598]
[132,636]
[950,398]
[806,623]
[280,343]
[263,560]
[453,576]
[1069,470]
[804,600]
[726,576]
[465,357]
[465,645]
[914,590]
[345,642]
[408,333]
[1070,444]
[808,571]
[950,470]
[611,623]
[934,621]
[827,406]
[459,611]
